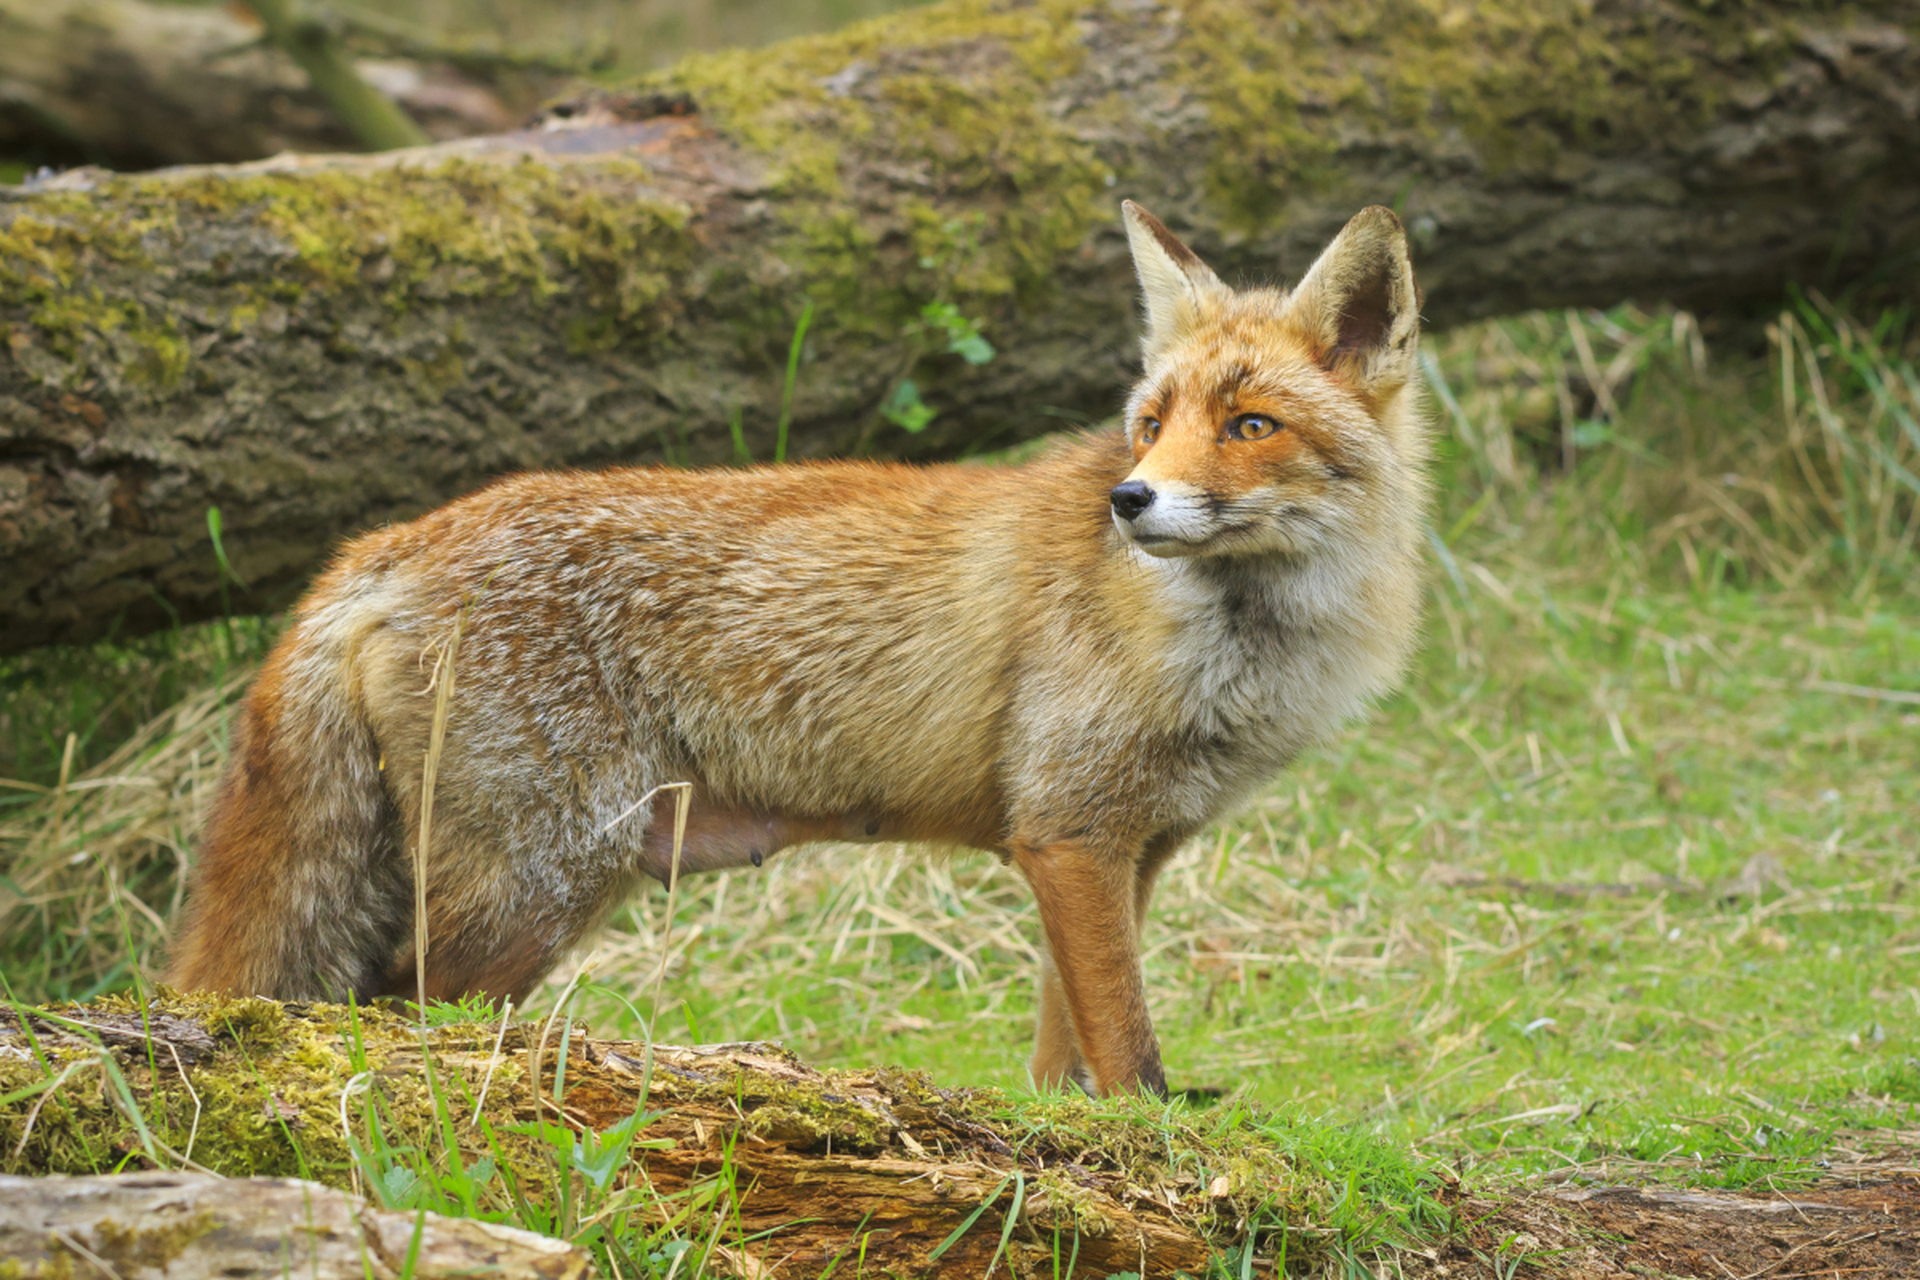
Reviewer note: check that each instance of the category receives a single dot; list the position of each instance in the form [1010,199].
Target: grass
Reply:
[1621,886]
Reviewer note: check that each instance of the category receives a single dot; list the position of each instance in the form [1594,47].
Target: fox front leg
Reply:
[1093,1005]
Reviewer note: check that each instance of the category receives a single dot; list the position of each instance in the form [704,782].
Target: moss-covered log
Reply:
[313,347]
[800,1166]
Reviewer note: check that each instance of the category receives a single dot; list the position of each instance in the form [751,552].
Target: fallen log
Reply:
[811,1164]
[315,346]
[146,1226]
[881,1170]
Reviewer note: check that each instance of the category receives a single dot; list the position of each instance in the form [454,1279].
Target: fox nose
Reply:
[1130,498]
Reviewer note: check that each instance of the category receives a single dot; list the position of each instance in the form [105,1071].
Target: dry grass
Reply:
[95,864]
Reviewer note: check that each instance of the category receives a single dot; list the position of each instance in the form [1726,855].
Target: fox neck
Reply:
[1271,653]
[1262,600]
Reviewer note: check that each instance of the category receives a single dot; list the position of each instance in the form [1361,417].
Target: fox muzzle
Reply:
[1168,519]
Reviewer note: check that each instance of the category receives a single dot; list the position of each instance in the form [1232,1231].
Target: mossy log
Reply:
[136,84]
[162,1226]
[801,1166]
[318,346]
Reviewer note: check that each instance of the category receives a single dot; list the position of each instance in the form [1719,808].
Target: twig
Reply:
[86,1253]
[193,1134]
[540,1049]
[1863,691]
[1781,1261]
[682,801]
[443,679]
[355,1085]
[492,1062]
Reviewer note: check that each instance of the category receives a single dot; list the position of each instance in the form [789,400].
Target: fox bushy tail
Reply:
[300,890]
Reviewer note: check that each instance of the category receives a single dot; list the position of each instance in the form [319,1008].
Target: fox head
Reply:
[1269,422]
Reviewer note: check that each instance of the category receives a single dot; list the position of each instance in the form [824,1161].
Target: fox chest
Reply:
[1249,691]
[1125,750]
[1230,741]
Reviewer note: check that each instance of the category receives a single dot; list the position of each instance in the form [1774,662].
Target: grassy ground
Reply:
[1621,885]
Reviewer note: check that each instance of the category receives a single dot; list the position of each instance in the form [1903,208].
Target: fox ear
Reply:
[1359,303]
[1172,277]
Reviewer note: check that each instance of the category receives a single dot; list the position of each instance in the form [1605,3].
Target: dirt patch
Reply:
[1862,1227]
[1868,1229]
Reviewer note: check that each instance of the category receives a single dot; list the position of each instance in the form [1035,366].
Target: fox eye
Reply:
[1251,426]
[1149,430]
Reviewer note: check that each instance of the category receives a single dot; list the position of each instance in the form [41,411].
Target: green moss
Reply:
[148,1246]
[267,1103]
[464,228]
[110,282]
[953,95]
[806,1118]
[50,257]
[805,1115]
[1531,87]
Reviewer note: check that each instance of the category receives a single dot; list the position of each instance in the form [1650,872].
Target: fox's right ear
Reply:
[1172,277]
[1360,306]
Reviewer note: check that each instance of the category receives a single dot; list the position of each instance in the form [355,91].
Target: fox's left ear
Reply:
[1172,277]
[1360,306]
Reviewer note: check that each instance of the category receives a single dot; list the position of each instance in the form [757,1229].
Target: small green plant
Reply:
[786,388]
[226,575]
[961,334]
[742,456]
[951,333]
[904,408]
[453,1013]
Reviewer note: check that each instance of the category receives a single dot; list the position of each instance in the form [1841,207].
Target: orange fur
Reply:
[1077,663]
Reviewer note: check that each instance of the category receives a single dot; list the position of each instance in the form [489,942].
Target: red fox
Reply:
[1077,663]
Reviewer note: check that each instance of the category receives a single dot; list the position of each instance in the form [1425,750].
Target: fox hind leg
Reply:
[1056,1053]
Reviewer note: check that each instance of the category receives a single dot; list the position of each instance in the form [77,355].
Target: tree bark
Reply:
[318,346]
[150,1226]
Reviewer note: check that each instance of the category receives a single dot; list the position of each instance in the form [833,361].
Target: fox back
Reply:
[1076,663]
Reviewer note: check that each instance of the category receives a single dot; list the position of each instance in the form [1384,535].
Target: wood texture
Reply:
[145,1226]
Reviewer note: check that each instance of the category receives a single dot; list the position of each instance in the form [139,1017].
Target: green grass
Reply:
[1620,886]
[108,755]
